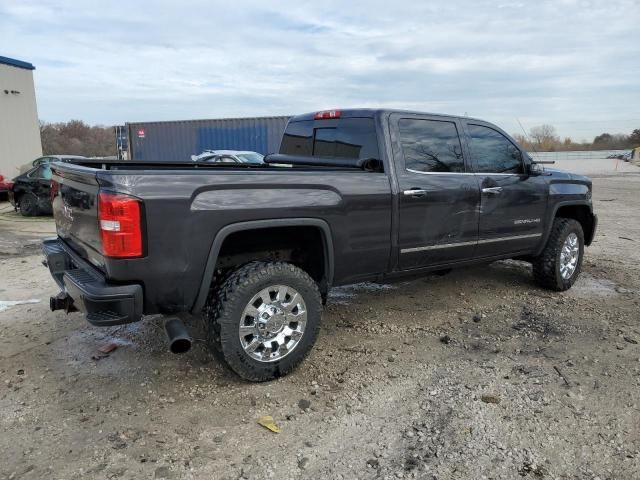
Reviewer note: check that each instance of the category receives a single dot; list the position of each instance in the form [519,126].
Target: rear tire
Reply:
[559,265]
[263,319]
[28,205]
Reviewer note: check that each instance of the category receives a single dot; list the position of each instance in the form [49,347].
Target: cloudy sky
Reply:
[571,63]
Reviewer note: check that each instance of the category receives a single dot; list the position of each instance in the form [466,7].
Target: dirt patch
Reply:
[22,235]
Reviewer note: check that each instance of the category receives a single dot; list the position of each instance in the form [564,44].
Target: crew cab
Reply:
[253,249]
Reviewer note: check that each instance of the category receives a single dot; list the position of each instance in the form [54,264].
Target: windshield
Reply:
[250,157]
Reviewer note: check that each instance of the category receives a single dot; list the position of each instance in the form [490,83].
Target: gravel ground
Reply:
[595,166]
[477,374]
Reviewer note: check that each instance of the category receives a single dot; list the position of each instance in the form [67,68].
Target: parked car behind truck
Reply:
[5,186]
[228,156]
[253,250]
[30,192]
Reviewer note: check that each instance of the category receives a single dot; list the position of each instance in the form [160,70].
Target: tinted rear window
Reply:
[430,145]
[345,138]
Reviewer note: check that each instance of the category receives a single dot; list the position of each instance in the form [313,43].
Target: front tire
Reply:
[559,265]
[264,319]
[28,205]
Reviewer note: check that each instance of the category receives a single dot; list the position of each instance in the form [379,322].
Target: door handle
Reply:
[492,190]
[415,192]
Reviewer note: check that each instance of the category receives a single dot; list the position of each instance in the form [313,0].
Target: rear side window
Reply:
[430,145]
[493,152]
[344,138]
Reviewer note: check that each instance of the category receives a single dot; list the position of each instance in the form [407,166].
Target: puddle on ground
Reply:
[587,286]
[7,304]
[344,295]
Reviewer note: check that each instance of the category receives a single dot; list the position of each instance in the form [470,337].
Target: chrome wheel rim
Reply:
[273,323]
[569,256]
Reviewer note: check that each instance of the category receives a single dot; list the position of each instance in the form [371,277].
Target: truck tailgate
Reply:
[74,192]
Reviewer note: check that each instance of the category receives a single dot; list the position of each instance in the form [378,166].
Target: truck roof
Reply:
[371,113]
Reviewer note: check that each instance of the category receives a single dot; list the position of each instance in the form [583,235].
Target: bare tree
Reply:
[544,137]
[522,141]
[77,138]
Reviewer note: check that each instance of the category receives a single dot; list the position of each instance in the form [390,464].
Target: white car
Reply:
[229,156]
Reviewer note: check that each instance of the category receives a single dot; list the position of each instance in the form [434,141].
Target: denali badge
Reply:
[526,220]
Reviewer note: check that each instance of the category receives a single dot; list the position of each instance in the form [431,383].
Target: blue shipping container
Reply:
[177,141]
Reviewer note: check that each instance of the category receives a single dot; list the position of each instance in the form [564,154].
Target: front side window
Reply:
[430,145]
[493,152]
[344,138]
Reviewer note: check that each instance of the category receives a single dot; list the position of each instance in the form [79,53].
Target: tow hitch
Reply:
[62,301]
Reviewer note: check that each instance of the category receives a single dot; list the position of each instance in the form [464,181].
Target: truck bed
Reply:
[186,204]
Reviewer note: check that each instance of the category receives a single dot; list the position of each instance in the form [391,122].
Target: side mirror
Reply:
[535,169]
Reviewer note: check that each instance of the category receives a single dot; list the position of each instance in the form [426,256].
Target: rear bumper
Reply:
[104,304]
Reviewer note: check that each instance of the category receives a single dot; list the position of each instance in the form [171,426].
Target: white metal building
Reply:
[19,127]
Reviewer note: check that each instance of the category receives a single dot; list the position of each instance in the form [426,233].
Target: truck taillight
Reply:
[120,226]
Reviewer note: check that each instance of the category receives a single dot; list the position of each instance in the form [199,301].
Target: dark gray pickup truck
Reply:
[352,196]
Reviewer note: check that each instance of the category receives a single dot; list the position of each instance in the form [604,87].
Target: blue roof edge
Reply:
[16,63]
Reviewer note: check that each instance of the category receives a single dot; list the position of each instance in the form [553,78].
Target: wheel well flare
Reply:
[582,214]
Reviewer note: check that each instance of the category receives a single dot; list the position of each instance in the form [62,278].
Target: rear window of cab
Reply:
[343,138]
